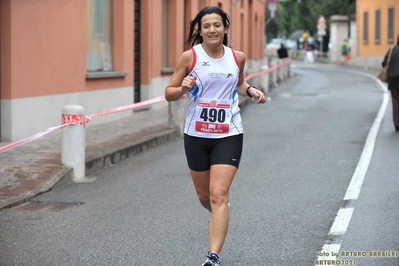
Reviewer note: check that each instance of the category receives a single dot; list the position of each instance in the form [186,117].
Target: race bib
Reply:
[213,116]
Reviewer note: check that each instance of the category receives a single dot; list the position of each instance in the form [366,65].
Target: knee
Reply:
[218,197]
[205,201]
[203,196]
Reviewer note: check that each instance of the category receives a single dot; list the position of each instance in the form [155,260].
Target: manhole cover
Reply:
[45,206]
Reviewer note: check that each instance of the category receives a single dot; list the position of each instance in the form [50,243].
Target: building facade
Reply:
[100,54]
[376,31]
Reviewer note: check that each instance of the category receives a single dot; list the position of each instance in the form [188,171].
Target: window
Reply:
[377,37]
[365,27]
[99,35]
[165,34]
[390,24]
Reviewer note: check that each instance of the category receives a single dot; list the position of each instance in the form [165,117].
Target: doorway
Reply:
[137,94]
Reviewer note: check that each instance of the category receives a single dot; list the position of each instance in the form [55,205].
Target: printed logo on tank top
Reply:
[220,75]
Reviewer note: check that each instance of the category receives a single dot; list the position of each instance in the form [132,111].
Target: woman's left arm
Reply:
[245,89]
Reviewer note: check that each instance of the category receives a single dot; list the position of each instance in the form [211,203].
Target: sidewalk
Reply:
[35,167]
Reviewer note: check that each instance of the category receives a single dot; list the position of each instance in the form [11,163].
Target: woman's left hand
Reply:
[257,94]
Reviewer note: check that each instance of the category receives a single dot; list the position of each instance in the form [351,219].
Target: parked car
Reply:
[276,44]
[291,44]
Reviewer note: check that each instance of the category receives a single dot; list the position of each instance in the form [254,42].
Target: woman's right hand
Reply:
[189,82]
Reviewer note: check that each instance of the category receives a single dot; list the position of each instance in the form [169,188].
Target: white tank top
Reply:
[212,110]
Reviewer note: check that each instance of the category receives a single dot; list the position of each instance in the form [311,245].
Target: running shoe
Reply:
[212,259]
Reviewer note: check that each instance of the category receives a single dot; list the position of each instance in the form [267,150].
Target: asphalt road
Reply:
[301,150]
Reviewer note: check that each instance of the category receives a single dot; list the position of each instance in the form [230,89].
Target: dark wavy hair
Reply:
[397,40]
[194,36]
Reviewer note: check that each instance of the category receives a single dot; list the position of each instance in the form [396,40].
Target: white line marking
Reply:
[364,161]
[328,251]
[341,221]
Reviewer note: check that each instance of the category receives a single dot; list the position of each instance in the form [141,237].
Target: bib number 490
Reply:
[213,115]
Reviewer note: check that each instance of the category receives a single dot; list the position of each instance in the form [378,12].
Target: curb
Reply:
[23,197]
[104,160]
[95,163]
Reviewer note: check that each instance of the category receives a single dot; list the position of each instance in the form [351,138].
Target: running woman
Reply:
[212,76]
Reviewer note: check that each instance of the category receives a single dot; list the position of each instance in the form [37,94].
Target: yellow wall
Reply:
[372,49]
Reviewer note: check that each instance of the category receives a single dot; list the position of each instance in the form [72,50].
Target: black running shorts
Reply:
[201,153]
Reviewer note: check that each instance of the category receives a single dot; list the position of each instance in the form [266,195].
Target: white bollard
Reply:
[176,116]
[74,142]
[265,79]
[273,74]
[280,72]
[286,72]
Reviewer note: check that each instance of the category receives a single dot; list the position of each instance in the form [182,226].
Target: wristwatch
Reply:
[249,94]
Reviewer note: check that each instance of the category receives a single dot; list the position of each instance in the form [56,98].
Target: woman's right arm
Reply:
[178,86]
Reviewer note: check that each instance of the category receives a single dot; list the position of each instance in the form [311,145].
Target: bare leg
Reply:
[221,177]
[212,188]
[201,185]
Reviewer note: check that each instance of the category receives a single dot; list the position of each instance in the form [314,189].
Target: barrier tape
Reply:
[128,107]
[13,145]
[82,120]
[74,119]
[268,70]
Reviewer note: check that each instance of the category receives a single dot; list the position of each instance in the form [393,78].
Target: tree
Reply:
[303,14]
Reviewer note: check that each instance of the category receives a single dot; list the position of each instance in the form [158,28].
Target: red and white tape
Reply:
[13,145]
[82,120]
[268,70]
[128,107]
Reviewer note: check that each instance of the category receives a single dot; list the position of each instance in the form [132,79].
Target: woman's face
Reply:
[212,29]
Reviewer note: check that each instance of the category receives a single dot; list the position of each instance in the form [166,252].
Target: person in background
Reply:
[298,48]
[345,52]
[393,80]
[310,48]
[282,52]
[212,76]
